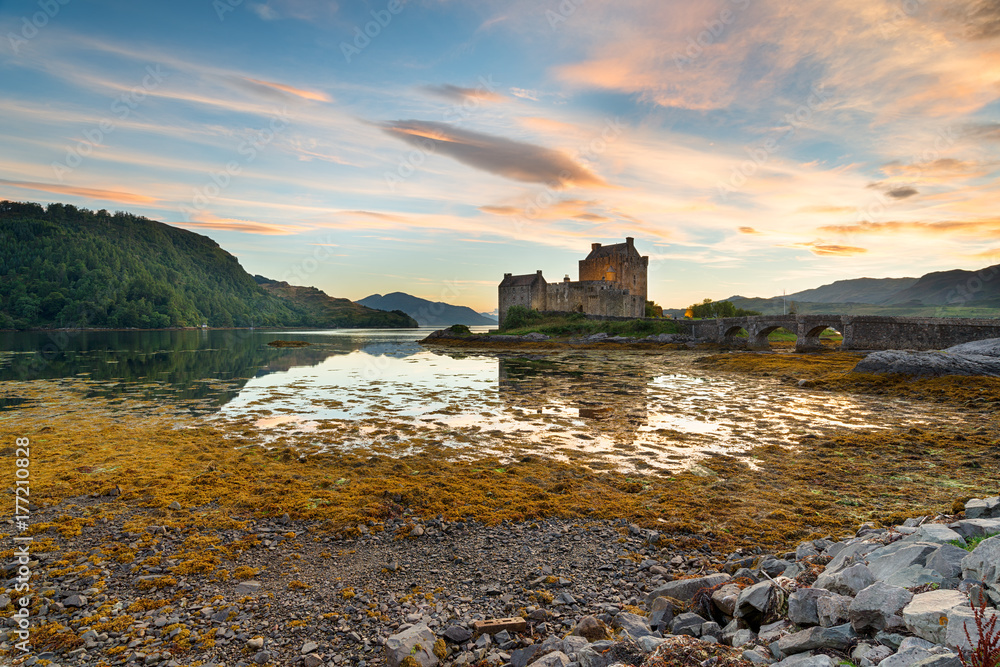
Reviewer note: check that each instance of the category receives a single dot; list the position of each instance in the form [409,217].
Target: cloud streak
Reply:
[515,160]
[88,193]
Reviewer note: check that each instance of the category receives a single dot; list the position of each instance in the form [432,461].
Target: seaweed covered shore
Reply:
[168,539]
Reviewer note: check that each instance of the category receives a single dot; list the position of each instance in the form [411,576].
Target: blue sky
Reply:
[750,146]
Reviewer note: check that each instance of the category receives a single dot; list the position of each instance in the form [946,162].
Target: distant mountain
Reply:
[427,313]
[858,290]
[316,305]
[63,266]
[940,294]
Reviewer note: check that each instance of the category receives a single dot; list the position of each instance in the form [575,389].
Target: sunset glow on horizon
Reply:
[430,146]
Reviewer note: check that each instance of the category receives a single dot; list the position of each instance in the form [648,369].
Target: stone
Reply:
[417,642]
[311,660]
[833,610]
[935,532]
[772,631]
[75,601]
[975,508]
[757,604]
[743,637]
[571,644]
[457,634]
[943,660]
[522,656]
[802,605]
[592,629]
[725,598]
[926,615]
[492,626]
[962,620]
[871,610]
[255,644]
[592,657]
[756,658]
[971,528]
[806,660]
[906,658]
[913,576]
[849,581]
[633,624]
[869,655]
[248,587]
[928,364]
[687,624]
[308,647]
[946,560]
[838,638]
[983,564]
[650,643]
[685,589]
[555,659]
[884,562]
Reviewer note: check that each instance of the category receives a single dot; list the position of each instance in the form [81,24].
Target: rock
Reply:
[772,631]
[592,657]
[633,624]
[962,620]
[935,532]
[685,589]
[926,615]
[650,643]
[591,629]
[969,528]
[743,637]
[983,564]
[943,660]
[838,638]
[416,641]
[687,624]
[849,581]
[311,660]
[928,364]
[869,655]
[885,562]
[871,610]
[802,605]
[756,657]
[308,647]
[946,560]
[833,610]
[989,347]
[75,601]
[725,598]
[255,644]
[556,659]
[759,603]
[975,508]
[174,506]
[248,587]
[572,644]
[806,661]
[457,634]
[522,656]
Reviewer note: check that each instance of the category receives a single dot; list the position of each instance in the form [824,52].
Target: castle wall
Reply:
[531,295]
[594,297]
[629,270]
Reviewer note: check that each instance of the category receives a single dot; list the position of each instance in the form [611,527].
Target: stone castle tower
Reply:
[612,283]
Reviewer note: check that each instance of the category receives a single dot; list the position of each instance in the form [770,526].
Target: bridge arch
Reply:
[758,337]
[731,336]
[809,333]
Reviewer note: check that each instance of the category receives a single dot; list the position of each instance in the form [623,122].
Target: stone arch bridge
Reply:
[860,332]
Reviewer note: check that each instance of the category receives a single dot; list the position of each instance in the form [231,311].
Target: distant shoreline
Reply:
[92,329]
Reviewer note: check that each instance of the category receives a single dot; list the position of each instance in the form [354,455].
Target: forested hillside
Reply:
[62,266]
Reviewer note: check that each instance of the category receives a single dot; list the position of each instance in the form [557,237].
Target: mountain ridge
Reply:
[427,313]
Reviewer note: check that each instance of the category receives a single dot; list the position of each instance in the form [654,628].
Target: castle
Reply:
[612,283]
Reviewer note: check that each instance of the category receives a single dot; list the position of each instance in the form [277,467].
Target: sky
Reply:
[751,147]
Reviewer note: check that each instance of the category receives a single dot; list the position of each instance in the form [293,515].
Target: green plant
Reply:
[520,316]
[972,542]
[460,329]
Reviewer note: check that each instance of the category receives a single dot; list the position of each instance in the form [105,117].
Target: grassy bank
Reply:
[520,321]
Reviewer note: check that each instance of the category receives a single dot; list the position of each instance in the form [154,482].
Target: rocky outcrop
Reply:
[976,358]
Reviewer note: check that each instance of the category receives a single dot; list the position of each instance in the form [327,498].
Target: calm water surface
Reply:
[382,390]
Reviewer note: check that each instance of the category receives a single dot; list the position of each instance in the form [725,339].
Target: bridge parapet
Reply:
[861,332]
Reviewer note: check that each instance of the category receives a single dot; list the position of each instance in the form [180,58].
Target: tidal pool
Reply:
[382,391]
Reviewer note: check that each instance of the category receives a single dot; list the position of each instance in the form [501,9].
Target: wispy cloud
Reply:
[511,159]
[209,221]
[96,194]
[459,94]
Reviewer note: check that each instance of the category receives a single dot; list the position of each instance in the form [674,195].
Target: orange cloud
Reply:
[828,249]
[209,221]
[989,226]
[459,94]
[89,193]
[747,230]
[291,90]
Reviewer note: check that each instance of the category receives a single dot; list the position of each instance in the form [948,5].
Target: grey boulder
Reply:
[874,607]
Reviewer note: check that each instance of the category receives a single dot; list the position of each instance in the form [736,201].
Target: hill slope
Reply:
[427,313]
[858,290]
[316,305]
[61,266]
